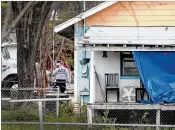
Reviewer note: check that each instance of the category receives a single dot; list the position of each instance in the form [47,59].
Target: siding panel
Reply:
[135,14]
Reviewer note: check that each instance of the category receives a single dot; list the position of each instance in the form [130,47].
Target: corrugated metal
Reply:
[130,35]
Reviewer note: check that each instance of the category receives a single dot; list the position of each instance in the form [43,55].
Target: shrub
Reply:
[20,115]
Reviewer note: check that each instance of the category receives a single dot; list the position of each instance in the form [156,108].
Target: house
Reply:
[104,39]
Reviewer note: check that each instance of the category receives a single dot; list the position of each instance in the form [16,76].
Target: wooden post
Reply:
[76,93]
[92,79]
[89,114]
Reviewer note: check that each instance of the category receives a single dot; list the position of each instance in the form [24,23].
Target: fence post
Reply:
[89,115]
[157,119]
[40,114]
[57,102]
[57,105]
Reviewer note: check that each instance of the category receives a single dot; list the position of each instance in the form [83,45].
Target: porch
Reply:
[113,74]
[115,78]
[115,85]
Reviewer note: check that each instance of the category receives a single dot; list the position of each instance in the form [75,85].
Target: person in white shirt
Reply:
[62,76]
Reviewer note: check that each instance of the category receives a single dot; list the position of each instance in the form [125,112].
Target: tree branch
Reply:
[53,38]
[61,48]
[41,23]
[7,17]
[13,24]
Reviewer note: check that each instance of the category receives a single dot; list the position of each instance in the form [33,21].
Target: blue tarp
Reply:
[157,71]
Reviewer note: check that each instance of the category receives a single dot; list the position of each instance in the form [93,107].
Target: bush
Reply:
[20,115]
[66,114]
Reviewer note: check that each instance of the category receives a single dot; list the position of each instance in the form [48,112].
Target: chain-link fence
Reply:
[11,90]
[134,117]
[48,109]
[22,104]
[126,116]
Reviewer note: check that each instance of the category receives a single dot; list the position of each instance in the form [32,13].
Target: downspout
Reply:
[76,91]
[84,24]
[84,31]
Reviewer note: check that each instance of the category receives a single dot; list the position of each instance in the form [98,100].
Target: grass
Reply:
[66,127]
[36,127]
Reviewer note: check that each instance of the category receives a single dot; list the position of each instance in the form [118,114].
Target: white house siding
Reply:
[111,64]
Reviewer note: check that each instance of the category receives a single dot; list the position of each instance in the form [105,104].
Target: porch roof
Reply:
[158,37]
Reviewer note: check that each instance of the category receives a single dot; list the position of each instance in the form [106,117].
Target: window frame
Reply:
[122,56]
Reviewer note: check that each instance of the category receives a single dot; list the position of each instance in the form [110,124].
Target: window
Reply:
[128,66]
[5,53]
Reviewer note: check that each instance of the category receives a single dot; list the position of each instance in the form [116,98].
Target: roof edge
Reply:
[84,15]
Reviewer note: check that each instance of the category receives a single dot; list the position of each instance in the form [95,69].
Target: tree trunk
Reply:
[28,32]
